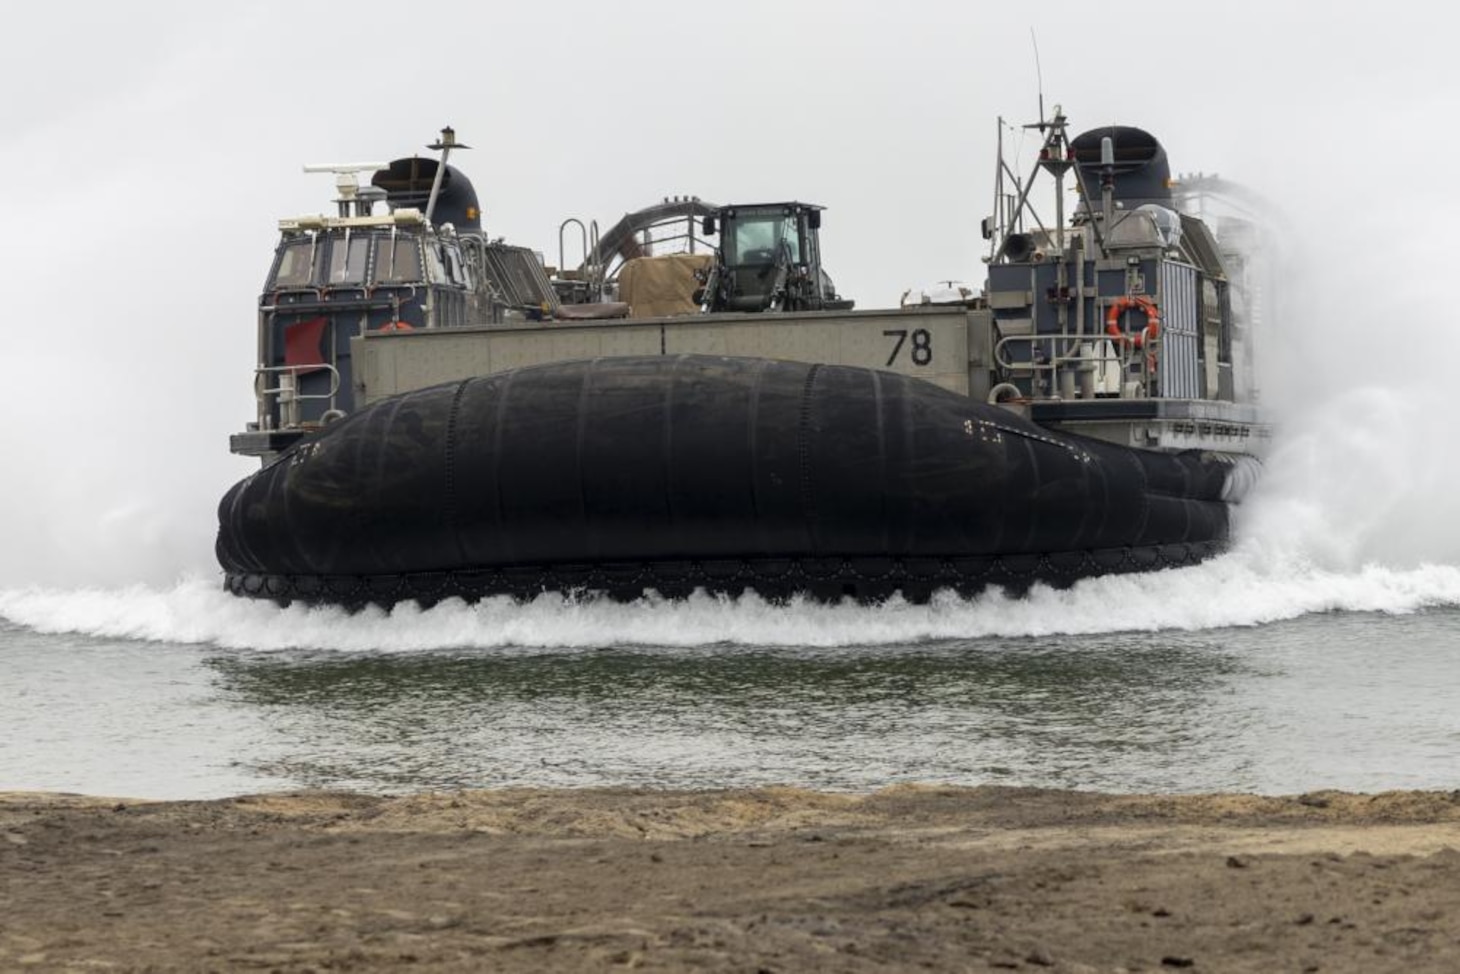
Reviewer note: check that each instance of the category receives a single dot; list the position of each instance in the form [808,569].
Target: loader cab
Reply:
[752,236]
[770,259]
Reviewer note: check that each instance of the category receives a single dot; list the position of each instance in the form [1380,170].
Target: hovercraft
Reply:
[441,415]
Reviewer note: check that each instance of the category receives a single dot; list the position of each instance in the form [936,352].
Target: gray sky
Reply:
[150,147]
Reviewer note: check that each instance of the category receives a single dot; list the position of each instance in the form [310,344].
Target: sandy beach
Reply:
[779,880]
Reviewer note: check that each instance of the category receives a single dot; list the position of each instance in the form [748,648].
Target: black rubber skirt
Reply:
[674,473]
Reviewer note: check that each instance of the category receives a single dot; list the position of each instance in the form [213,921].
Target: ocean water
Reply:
[1251,672]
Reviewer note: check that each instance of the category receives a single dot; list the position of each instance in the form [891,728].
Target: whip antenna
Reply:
[1038,76]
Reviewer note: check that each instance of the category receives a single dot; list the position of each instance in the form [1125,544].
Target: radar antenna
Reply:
[347,179]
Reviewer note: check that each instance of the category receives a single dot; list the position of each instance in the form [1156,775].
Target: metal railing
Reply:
[286,395]
[590,271]
[1072,372]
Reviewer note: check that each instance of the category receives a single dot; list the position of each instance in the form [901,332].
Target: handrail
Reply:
[286,393]
[1055,360]
[582,232]
[1076,362]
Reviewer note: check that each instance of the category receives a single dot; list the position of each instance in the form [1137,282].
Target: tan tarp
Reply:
[655,286]
[594,311]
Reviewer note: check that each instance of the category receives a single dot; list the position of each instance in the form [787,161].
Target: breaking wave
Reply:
[1246,587]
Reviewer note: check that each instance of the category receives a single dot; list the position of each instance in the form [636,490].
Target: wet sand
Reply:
[779,880]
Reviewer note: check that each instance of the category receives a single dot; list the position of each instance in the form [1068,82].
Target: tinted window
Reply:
[348,257]
[758,238]
[398,261]
[790,233]
[296,264]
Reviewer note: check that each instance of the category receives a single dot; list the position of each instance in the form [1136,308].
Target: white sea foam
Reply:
[1244,588]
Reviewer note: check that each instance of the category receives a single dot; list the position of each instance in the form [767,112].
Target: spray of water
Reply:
[1359,356]
[1247,587]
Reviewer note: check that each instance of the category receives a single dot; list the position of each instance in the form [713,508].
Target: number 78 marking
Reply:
[922,345]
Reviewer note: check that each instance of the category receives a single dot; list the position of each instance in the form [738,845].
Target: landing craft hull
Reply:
[675,473]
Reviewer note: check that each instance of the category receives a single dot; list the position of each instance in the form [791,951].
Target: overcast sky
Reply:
[149,148]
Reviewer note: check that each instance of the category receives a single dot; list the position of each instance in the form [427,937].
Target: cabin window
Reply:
[296,264]
[757,239]
[789,232]
[398,261]
[348,259]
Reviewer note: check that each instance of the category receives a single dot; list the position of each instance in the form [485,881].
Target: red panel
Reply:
[301,343]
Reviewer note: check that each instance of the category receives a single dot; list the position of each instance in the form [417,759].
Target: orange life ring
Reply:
[1130,303]
[397,326]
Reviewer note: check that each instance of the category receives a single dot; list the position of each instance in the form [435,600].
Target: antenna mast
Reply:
[1038,76]
[444,145]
